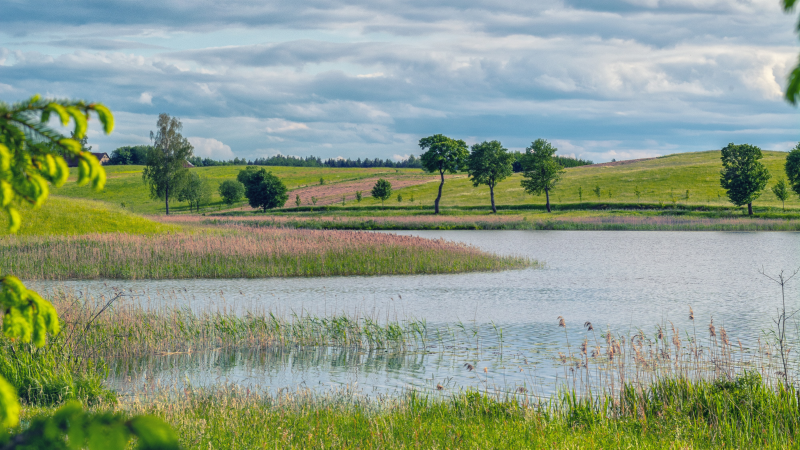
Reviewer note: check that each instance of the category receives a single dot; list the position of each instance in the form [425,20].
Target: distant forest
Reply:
[137,155]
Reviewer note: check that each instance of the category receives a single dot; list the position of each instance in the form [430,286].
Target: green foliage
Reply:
[781,191]
[32,154]
[382,190]
[792,168]
[232,191]
[638,193]
[742,175]
[399,198]
[793,87]
[443,155]
[195,190]
[541,172]
[596,190]
[262,189]
[130,155]
[72,428]
[297,201]
[166,173]
[358,196]
[489,163]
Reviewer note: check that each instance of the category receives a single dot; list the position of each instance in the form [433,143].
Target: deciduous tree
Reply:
[742,175]
[489,163]
[231,191]
[382,190]
[262,189]
[792,168]
[196,190]
[166,160]
[781,191]
[443,155]
[541,172]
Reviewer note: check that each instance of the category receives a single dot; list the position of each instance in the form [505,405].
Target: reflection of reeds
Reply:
[126,329]
[240,252]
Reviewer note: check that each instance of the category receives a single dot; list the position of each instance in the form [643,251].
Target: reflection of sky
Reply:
[602,80]
[618,280]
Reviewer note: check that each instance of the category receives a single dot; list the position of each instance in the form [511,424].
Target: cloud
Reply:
[210,148]
[368,79]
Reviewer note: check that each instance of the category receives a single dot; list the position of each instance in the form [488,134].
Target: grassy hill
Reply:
[660,181]
[124,184]
[71,216]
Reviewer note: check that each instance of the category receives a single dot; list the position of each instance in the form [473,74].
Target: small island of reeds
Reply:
[241,252]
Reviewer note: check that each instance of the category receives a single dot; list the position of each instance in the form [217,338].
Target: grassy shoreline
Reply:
[603,221]
[650,391]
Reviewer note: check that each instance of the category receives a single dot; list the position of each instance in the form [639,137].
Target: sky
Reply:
[599,79]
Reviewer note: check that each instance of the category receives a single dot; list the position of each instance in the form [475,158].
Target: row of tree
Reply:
[137,155]
[489,163]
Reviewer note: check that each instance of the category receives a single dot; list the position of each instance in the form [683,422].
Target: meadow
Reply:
[678,191]
[239,252]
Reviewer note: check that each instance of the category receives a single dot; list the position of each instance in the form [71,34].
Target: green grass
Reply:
[674,414]
[659,180]
[124,184]
[72,216]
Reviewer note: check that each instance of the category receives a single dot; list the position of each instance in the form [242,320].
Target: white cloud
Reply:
[399,158]
[146,98]
[210,148]
[282,126]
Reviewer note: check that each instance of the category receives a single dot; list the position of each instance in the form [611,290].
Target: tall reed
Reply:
[241,252]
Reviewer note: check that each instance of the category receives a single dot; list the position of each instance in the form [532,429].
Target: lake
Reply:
[621,281]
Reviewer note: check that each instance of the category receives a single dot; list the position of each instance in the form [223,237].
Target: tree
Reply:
[195,190]
[136,155]
[231,191]
[31,156]
[792,168]
[489,163]
[382,190]
[742,175]
[541,172]
[262,189]
[166,160]
[781,191]
[443,155]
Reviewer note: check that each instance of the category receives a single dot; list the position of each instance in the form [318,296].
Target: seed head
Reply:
[711,330]
[561,322]
[691,313]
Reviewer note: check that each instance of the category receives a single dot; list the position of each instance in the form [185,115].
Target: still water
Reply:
[618,280]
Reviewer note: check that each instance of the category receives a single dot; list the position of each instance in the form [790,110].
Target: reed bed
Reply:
[240,252]
[504,222]
[117,327]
